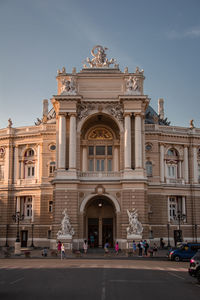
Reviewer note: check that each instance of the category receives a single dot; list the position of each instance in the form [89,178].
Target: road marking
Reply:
[175,275]
[136,281]
[103,291]
[19,279]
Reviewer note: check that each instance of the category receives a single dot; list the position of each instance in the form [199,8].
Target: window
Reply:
[148,147]
[1,172]
[30,171]
[199,171]
[52,168]
[171,171]
[2,152]
[149,168]
[176,208]
[50,206]
[172,152]
[52,147]
[49,234]
[100,158]
[27,207]
[29,153]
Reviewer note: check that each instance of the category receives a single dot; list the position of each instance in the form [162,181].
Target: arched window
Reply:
[100,150]
[172,164]
[29,163]
[149,168]
[172,152]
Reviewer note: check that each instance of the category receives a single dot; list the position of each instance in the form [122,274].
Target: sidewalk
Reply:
[92,254]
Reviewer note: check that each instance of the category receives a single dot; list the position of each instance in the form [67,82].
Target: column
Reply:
[16,163]
[186,177]
[84,159]
[127,142]
[195,168]
[100,232]
[116,159]
[18,205]
[33,209]
[38,163]
[72,142]
[138,141]
[162,163]
[62,142]
[183,206]
[179,169]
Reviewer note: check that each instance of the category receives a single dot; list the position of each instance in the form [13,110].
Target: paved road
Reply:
[96,279]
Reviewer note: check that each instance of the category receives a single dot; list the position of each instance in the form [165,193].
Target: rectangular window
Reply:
[109,150]
[100,150]
[102,165]
[29,171]
[91,165]
[50,206]
[109,165]
[33,171]
[28,207]
[177,208]
[172,171]
[1,172]
[49,234]
[98,164]
[91,150]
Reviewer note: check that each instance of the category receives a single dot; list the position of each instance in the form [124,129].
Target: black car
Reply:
[194,269]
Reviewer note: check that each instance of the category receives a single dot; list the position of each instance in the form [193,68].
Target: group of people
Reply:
[144,248]
[61,249]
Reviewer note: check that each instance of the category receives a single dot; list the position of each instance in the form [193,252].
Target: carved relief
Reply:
[135,226]
[68,86]
[100,134]
[83,110]
[116,110]
[132,85]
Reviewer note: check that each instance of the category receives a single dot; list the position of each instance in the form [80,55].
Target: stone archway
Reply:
[99,220]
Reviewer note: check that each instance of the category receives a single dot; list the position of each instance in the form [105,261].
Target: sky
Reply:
[39,37]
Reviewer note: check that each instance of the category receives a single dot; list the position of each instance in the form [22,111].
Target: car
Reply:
[184,251]
[194,269]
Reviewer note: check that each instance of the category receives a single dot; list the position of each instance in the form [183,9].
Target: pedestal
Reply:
[17,248]
[133,237]
[67,242]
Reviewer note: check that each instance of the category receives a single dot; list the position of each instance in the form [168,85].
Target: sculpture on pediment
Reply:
[191,124]
[66,229]
[100,60]
[10,123]
[135,226]
[100,134]
[132,85]
[68,86]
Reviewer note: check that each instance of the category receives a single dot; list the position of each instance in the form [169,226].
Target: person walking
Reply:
[117,248]
[134,247]
[140,245]
[146,247]
[62,251]
[155,249]
[85,246]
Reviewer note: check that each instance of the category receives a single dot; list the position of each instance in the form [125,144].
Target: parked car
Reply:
[184,251]
[194,269]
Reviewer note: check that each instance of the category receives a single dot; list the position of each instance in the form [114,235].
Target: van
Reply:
[184,251]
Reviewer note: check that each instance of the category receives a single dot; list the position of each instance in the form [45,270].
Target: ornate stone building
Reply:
[99,155]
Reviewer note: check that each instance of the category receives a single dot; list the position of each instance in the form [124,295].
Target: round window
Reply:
[148,147]
[53,147]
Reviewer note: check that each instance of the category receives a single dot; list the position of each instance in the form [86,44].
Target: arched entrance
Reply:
[100,221]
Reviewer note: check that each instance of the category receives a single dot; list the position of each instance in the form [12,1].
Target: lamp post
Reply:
[195,232]
[168,244]
[6,245]
[17,217]
[180,217]
[32,227]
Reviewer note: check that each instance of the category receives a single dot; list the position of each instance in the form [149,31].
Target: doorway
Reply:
[24,238]
[100,222]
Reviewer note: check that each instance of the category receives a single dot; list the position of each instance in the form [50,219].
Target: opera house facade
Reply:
[102,162]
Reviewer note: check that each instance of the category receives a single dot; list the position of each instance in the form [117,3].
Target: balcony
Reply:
[179,181]
[90,175]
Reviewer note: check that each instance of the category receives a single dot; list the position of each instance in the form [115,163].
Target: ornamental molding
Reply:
[84,109]
[100,133]
[69,87]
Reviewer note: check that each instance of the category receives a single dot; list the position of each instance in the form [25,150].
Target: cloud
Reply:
[189,33]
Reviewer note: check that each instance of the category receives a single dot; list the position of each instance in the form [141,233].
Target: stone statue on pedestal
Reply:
[135,227]
[66,231]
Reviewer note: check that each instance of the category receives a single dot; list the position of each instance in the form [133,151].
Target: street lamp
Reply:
[180,217]
[17,217]
[6,245]
[168,244]
[32,226]
[195,232]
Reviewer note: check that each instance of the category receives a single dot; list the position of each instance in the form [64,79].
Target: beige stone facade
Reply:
[101,150]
